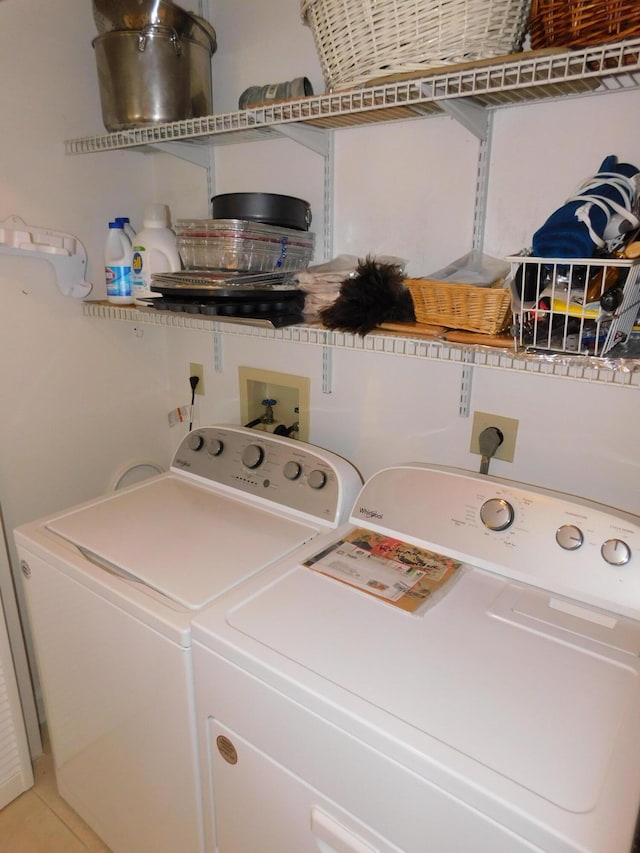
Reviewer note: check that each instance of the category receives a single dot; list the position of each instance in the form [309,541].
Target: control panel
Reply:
[287,473]
[572,546]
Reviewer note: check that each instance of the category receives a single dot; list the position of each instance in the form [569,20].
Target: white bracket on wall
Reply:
[322,143]
[479,122]
[193,152]
[63,251]
[472,116]
[312,138]
[466,381]
[217,352]
[327,370]
[329,184]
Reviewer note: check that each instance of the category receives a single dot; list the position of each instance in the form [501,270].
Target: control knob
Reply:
[317,479]
[569,537]
[215,447]
[252,456]
[497,514]
[292,470]
[616,552]
[195,441]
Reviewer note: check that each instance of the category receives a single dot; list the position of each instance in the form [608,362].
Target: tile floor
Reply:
[40,821]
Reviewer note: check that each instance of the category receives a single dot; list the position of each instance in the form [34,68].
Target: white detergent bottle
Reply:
[126,227]
[117,265]
[154,251]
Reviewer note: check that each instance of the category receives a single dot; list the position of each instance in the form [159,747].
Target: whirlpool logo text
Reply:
[369,513]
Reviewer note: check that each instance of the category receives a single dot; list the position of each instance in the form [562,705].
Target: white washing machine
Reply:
[111,588]
[455,669]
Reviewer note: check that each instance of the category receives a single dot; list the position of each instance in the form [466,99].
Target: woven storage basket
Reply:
[582,23]
[359,40]
[461,306]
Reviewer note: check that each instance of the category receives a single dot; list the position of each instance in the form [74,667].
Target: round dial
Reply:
[616,552]
[195,441]
[569,537]
[252,456]
[497,514]
[215,447]
[317,479]
[292,470]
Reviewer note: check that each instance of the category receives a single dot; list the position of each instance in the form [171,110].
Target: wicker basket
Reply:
[582,23]
[360,40]
[461,306]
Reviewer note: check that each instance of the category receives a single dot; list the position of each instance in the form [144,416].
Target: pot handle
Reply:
[154,29]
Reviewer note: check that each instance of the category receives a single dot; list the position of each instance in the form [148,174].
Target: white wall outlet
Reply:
[507,426]
[291,393]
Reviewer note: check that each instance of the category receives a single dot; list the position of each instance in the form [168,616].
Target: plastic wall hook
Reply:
[63,251]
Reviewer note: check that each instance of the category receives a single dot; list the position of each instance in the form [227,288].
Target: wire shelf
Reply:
[621,372]
[516,79]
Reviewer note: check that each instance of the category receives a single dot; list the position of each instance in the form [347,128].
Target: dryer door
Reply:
[260,805]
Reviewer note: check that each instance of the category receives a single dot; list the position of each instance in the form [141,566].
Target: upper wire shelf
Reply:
[502,82]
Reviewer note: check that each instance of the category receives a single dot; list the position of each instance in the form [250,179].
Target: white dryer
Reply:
[455,669]
[112,586]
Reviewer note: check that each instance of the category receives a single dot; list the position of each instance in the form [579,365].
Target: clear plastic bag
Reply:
[473,268]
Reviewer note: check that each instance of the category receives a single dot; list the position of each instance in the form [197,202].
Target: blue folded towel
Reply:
[604,204]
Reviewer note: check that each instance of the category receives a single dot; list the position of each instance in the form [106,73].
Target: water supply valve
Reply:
[268,417]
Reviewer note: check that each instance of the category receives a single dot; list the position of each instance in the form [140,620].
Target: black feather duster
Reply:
[376,294]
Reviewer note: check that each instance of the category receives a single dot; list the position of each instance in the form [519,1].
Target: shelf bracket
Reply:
[198,154]
[312,138]
[482,188]
[466,381]
[322,143]
[329,162]
[327,370]
[472,116]
[217,352]
[64,252]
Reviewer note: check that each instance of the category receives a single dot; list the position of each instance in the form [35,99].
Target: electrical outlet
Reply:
[507,426]
[290,392]
[197,370]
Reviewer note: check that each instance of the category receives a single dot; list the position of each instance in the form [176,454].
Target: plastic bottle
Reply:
[126,227]
[117,265]
[154,251]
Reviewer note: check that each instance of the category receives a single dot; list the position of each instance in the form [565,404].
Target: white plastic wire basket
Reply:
[584,306]
[360,40]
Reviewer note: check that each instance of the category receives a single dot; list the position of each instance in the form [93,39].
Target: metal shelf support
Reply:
[192,153]
[466,383]
[312,138]
[472,116]
[327,370]
[479,122]
[217,352]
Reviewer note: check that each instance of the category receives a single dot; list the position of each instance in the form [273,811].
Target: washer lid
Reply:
[187,542]
[538,704]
